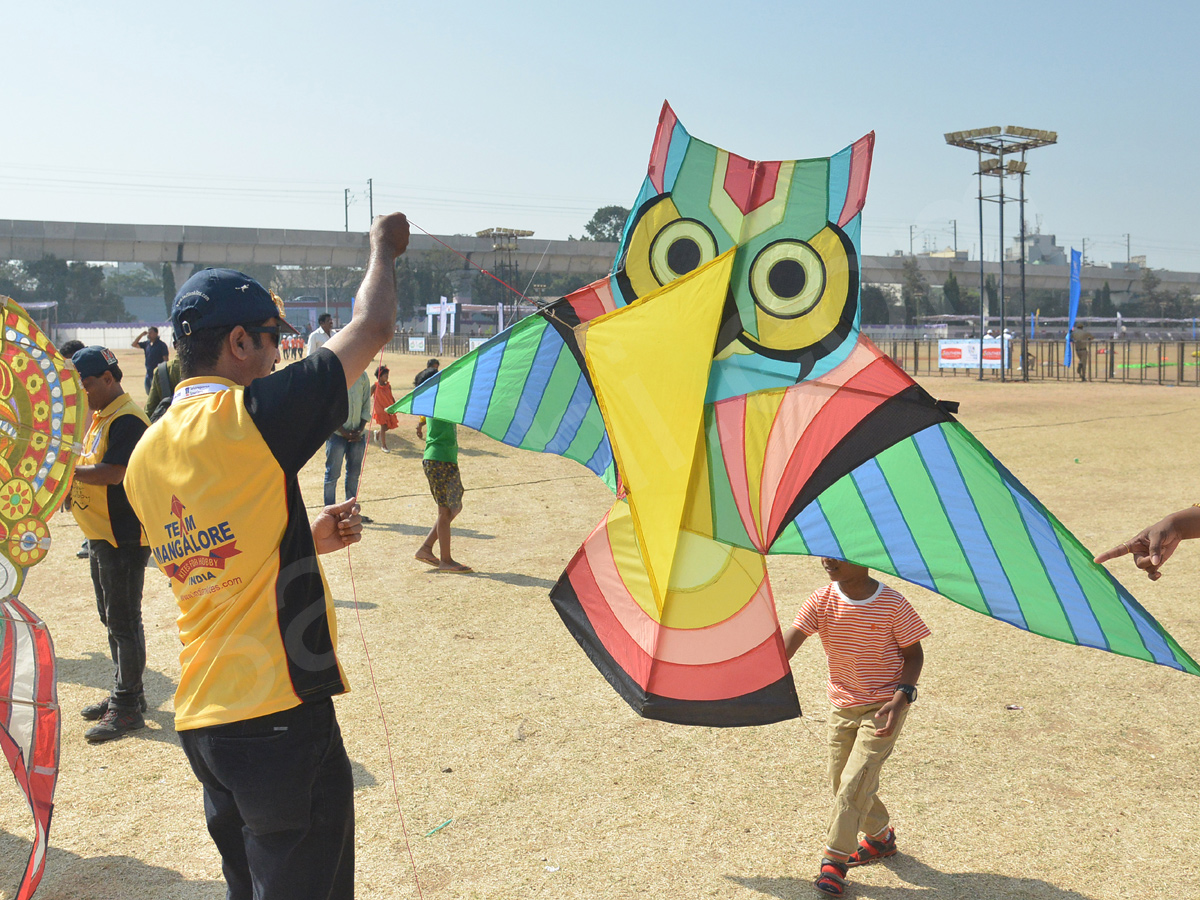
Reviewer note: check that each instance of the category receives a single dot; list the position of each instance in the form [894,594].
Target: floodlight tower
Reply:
[997,143]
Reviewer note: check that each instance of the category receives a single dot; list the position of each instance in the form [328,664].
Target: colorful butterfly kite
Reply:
[718,383]
[39,427]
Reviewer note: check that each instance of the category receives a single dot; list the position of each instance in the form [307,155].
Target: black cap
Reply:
[93,361]
[218,298]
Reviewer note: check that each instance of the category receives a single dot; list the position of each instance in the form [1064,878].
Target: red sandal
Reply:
[870,849]
[832,879]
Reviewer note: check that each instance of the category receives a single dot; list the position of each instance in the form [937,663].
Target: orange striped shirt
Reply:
[862,641]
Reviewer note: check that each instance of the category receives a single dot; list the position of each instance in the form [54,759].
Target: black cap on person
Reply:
[219,298]
[91,362]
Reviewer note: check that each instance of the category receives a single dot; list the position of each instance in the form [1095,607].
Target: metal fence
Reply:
[1128,362]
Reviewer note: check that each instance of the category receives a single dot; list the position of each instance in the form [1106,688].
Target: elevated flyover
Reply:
[188,246]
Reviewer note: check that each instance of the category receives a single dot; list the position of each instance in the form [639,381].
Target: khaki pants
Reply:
[855,758]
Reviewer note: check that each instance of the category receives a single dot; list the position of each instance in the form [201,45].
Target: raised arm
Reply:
[374,320]
[136,345]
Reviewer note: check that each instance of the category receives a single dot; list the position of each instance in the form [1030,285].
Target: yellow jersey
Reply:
[102,510]
[214,483]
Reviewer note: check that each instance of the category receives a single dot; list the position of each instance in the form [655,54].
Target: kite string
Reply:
[472,263]
[371,672]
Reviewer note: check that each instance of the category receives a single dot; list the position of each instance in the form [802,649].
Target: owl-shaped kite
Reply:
[718,383]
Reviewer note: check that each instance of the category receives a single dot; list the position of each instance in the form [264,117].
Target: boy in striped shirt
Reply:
[872,640]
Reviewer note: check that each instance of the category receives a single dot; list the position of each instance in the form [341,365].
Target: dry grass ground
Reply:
[555,789]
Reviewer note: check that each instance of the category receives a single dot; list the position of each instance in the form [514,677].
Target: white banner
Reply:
[964,354]
[416,345]
[475,343]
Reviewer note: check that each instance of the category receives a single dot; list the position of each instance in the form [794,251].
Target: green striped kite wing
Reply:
[525,388]
[937,509]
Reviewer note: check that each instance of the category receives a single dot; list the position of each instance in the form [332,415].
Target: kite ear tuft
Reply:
[857,175]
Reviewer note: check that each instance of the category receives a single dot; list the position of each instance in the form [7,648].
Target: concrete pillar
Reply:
[182,272]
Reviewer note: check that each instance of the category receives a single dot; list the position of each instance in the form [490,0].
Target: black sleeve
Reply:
[123,435]
[297,408]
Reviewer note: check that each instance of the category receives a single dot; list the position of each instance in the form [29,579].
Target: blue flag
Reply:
[1076,262]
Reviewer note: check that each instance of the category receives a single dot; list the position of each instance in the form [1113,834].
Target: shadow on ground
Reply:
[923,883]
[362,776]
[516,579]
[69,876]
[95,670]
[350,604]
[422,530]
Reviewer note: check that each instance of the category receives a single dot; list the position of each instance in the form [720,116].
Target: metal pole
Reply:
[370,200]
[981,292]
[1024,251]
[346,195]
[910,239]
[954,222]
[1002,310]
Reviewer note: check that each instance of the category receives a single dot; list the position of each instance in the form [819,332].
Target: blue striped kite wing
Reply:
[937,509]
[526,388]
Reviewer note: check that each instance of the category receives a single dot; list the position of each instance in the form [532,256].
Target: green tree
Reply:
[427,280]
[914,291]
[77,287]
[993,295]
[1102,304]
[13,281]
[952,294]
[608,224]
[168,286]
[874,304]
[138,282]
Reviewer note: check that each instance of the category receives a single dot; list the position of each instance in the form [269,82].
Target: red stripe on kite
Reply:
[860,174]
[853,402]
[662,146]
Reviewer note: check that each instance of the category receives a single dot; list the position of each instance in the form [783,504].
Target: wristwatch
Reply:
[909,691]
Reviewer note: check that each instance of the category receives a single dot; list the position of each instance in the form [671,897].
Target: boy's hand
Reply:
[889,713]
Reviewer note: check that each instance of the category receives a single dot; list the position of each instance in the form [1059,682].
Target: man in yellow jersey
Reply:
[117,549]
[214,482]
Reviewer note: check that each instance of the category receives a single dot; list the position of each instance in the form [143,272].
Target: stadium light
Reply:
[996,143]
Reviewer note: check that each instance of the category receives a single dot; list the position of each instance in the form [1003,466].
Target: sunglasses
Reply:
[273,330]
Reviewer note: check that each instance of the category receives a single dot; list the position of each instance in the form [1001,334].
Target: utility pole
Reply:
[370,203]
[346,200]
[1128,259]
[1083,254]
[911,228]
[954,222]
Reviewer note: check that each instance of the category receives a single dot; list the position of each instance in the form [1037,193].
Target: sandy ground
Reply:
[553,788]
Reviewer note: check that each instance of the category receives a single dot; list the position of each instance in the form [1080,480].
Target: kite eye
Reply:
[662,245]
[787,278]
[679,248]
[799,298]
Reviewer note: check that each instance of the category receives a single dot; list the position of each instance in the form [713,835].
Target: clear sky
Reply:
[469,114]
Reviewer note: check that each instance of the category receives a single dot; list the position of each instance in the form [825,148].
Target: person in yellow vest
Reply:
[117,549]
[214,482]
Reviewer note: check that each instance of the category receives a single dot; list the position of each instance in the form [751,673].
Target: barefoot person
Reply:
[445,483]
[381,399]
[1153,546]
[215,484]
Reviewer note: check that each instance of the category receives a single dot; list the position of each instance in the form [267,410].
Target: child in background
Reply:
[445,484]
[381,399]
[872,641]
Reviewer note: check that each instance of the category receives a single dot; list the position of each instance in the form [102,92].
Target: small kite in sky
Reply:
[40,423]
[718,383]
